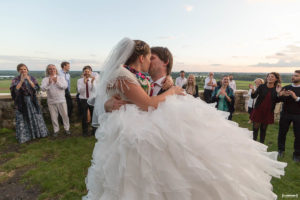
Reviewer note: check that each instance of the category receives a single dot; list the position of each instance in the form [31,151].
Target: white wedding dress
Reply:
[183,150]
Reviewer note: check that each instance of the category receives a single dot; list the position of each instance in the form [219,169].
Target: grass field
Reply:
[56,168]
[5,84]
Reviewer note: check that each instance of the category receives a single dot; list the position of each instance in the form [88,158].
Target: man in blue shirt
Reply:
[64,72]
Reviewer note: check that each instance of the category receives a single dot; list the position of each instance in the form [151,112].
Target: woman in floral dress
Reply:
[29,119]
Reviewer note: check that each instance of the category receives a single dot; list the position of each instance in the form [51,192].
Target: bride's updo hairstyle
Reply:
[141,48]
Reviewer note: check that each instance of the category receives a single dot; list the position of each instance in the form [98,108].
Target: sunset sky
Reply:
[203,35]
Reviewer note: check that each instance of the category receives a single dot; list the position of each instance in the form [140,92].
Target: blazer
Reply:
[261,93]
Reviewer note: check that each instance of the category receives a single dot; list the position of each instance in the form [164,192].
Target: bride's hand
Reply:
[177,90]
[168,82]
[114,103]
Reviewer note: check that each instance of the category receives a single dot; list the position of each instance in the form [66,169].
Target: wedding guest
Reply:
[251,101]
[191,86]
[181,80]
[55,87]
[224,96]
[263,112]
[93,75]
[209,85]
[290,96]
[29,119]
[86,86]
[64,72]
[232,83]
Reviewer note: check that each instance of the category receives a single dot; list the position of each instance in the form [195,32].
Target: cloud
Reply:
[216,65]
[280,63]
[167,37]
[280,37]
[39,63]
[289,57]
[188,8]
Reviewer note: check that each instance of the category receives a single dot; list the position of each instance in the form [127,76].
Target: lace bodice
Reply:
[124,74]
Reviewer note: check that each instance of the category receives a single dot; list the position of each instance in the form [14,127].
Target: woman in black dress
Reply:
[263,112]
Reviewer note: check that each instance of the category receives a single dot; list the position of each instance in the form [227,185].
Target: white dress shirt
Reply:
[55,91]
[208,87]
[251,102]
[232,84]
[81,87]
[67,77]
[180,81]
[158,85]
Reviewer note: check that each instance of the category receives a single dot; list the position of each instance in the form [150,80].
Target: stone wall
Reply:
[7,112]
[241,100]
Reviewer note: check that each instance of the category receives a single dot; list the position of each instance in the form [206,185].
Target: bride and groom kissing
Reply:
[161,63]
[161,145]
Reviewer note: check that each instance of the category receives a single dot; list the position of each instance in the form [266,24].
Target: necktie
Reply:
[87,89]
[152,88]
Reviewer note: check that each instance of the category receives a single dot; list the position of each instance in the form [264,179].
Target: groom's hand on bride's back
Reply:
[114,103]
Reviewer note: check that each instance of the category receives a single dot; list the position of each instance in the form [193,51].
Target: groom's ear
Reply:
[166,63]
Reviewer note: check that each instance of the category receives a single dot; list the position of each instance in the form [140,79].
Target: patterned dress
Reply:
[29,119]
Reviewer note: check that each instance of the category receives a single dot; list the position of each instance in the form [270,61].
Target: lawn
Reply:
[5,84]
[56,168]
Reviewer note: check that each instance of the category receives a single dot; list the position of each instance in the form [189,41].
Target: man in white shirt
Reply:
[160,67]
[232,83]
[64,72]
[181,80]
[209,86]
[55,87]
[93,75]
[86,87]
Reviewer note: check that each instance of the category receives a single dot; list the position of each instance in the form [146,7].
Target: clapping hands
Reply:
[287,93]
[278,88]
[52,79]
[251,87]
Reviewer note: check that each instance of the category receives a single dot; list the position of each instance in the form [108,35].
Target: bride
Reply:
[170,146]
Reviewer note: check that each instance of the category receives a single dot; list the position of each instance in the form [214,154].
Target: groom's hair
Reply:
[165,55]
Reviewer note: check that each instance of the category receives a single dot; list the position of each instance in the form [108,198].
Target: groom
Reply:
[160,67]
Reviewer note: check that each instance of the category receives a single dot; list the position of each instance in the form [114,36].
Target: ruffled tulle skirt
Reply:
[184,150]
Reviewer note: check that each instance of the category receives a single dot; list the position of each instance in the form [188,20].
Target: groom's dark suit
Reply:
[161,91]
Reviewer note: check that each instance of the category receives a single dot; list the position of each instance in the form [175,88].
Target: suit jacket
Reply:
[161,91]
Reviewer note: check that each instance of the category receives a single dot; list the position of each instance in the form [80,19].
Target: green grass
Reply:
[290,183]
[244,85]
[58,167]
[5,84]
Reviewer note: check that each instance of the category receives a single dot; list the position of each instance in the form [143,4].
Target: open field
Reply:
[55,168]
[5,84]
